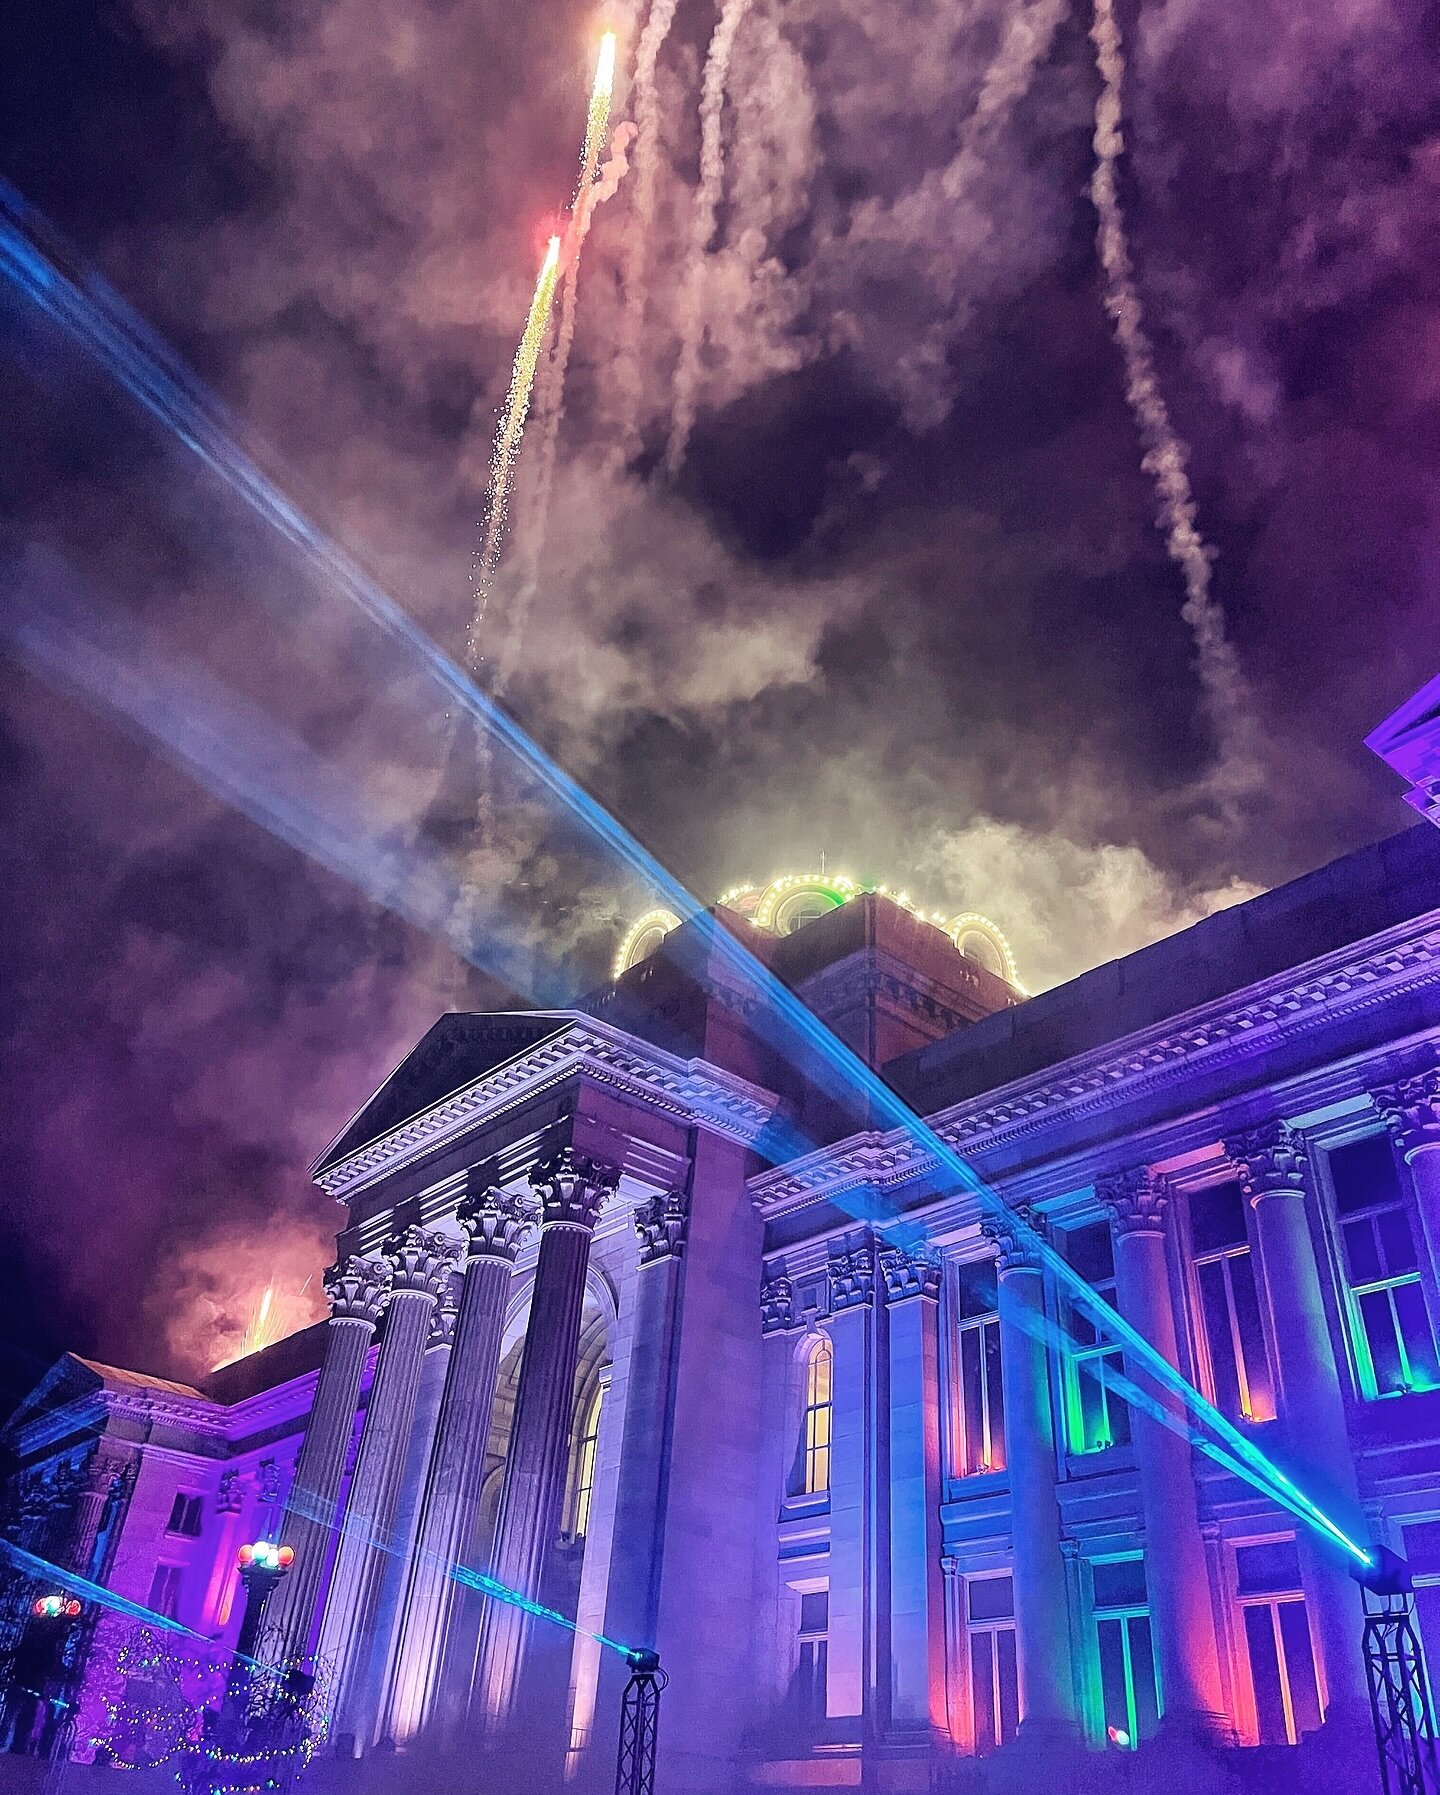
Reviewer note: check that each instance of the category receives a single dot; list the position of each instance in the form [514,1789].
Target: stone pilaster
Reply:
[1182,1612]
[440,1623]
[916,1588]
[419,1263]
[1042,1624]
[357,1291]
[571,1189]
[1271,1164]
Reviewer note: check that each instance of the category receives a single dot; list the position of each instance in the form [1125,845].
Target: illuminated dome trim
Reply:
[789,902]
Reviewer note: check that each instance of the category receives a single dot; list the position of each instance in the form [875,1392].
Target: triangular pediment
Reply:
[459,1049]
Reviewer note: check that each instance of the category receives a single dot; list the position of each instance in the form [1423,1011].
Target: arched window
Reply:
[585,1467]
[815,1436]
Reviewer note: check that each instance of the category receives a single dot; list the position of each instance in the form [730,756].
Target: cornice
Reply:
[1142,1066]
[693,1091]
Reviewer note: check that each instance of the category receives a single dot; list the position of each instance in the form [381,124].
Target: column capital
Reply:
[420,1260]
[1135,1199]
[230,1494]
[1270,1160]
[1410,1109]
[571,1187]
[851,1270]
[908,1275]
[777,1302]
[442,1322]
[357,1289]
[496,1222]
[1016,1237]
[662,1222]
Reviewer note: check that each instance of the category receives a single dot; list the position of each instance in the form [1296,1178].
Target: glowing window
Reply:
[1097,1415]
[1394,1341]
[585,1468]
[1277,1642]
[815,1437]
[1232,1335]
[994,1675]
[1129,1692]
[982,1394]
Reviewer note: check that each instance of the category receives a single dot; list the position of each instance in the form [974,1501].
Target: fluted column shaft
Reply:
[1042,1609]
[356,1291]
[419,1266]
[571,1190]
[1177,1575]
[439,1630]
[1274,1176]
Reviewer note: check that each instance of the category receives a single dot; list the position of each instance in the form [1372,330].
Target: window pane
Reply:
[995,1384]
[1090,1251]
[982,1693]
[978,1293]
[1397,1243]
[1270,1568]
[1252,1338]
[1114,1695]
[1364,1174]
[1415,1332]
[1009,1683]
[1120,1584]
[814,1611]
[1361,1251]
[1265,1675]
[1089,1422]
[1217,1218]
[1142,1676]
[990,1598]
[972,1397]
[1378,1320]
[1299,1667]
[1215,1308]
[1117,1410]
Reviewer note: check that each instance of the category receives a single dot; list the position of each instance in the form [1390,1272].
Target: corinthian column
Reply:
[1042,1608]
[1271,1164]
[435,1659]
[419,1263]
[1411,1110]
[571,1189]
[356,1291]
[1177,1576]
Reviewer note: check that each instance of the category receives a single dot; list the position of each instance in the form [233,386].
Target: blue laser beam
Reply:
[99,323]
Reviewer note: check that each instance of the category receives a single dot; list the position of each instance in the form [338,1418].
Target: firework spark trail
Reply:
[646,109]
[550,408]
[702,227]
[1165,458]
[507,439]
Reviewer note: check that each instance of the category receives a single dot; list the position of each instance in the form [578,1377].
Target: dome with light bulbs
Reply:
[791,901]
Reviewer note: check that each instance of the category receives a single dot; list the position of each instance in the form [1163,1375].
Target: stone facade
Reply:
[842,1440]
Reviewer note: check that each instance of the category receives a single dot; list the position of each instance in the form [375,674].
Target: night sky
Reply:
[905,603]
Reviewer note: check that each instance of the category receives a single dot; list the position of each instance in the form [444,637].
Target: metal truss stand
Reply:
[640,1725]
[1399,1689]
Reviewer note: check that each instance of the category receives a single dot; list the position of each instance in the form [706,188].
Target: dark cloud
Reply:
[905,602]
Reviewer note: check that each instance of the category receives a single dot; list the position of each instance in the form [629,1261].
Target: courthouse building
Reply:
[878,1498]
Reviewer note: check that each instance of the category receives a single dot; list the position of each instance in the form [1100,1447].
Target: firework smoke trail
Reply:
[702,226]
[1165,457]
[507,439]
[1007,80]
[646,109]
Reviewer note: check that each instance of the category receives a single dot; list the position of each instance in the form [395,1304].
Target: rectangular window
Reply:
[165,1591]
[982,1395]
[808,1689]
[994,1677]
[1129,1689]
[1394,1340]
[1096,1414]
[1277,1642]
[1233,1337]
[185,1516]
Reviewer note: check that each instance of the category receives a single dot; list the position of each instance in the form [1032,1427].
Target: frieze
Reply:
[693,1091]
[1096,1082]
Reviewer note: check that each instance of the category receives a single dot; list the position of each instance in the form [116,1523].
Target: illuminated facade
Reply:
[884,1512]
